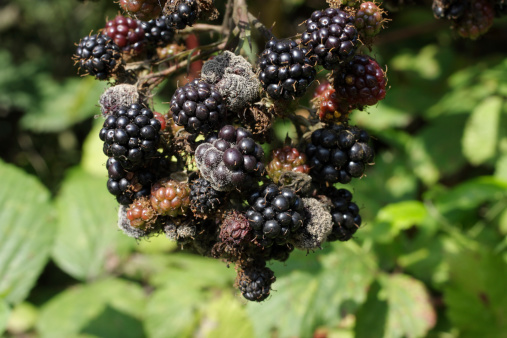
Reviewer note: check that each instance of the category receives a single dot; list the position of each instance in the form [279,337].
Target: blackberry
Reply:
[131,135]
[331,35]
[141,214]
[254,282]
[286,159]
[278,252]
[127,186]
[286,70]
[338,153]
[170,198]
[449,9]
[360,81]
[274,214]
[368,20]
[204,200]
[235,236]
[345,214]
[143,9]
[329,107]
[476,19]
[157,32]
[127,33]
[98,55]
[181,13]
[198,107]
[231,161]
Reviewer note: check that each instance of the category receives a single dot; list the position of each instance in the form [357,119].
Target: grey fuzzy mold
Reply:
[317,226]
[117,96]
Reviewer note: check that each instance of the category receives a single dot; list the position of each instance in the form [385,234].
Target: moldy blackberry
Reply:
[331,35]
[338,153]
[98,55]
[345,214]
[274,214]
[157,31]
[131,135]
[255,281]
[198,107]
[286,69]
[204,200]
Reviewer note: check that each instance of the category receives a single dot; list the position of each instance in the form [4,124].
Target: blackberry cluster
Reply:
[286,69]
[127,186]
[338,153]
[476,19]
[360,81]
[330,108]
[127,33]
[254,282]
[198,107]
[232,161]
[331,35]
[345,214]
[98,55]
[204,200]
[274,214]
[131,136]
[157,31]
[368,20]
[183,15]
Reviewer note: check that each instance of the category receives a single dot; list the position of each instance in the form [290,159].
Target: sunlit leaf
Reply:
[4,315]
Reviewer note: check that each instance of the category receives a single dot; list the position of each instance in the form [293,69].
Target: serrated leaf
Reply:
[410,313]
[87,231]
[226,317]
[173,311]
[27,229]
[63,104]
[302,301]
[85,308]
[4,315]
[475,297]
[481,131]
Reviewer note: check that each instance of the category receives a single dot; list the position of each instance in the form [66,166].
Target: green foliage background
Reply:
[429,261]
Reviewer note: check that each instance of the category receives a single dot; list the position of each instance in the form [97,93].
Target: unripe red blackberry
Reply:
[170,198]
[286,69]
[235,237]
[476,19]
[345,214]
[274,214]
[157,32]
[198,107]
[330,108]
[127,33]
[286,159]
[143,9]
[232,161]
[331,35]
[254,282]
[338,153]
[141,214]
[181,13]
[98,55]
[131,135]
[360,81]
[204,200]
[368,20]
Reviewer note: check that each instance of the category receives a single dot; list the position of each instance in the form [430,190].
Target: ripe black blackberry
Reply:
[199,107]
[98,55]
[286,69]
[331,35]
[126,185]
[255,281]
[360,81]
[345,214]
[338,153]
[449,9]
[184,13]
[131,136]
[274,214]
[231,161]
[157,32]
[204,200]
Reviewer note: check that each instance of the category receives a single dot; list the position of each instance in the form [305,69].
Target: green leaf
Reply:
[410,313]
[22,318]
[27,229]
[63,104]
[92,308]
[397,217]
[93,160]
[87,232]
[372,316]
[480,135]
[226,317]
[173,311]
[475,297]
[4,315]
[303,302]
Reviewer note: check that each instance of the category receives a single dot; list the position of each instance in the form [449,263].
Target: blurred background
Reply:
[429,261]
